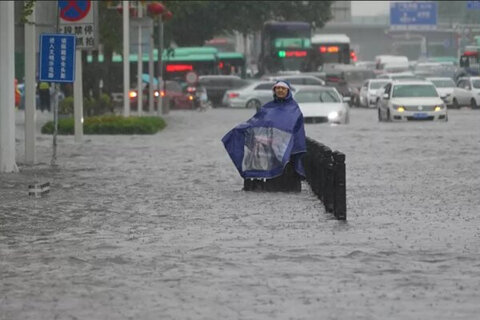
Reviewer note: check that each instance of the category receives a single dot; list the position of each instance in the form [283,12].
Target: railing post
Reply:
[340,204]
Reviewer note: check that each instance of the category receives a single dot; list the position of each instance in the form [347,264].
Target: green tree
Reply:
[194,22]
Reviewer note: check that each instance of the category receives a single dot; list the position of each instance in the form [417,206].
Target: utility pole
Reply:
[30,101]
[7,87]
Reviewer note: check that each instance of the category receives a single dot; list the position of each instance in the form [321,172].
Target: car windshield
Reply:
[377,84]
[476,84]
[317,96]
[414,90]
[444,83]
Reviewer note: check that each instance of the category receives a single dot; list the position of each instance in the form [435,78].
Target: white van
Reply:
[384,62]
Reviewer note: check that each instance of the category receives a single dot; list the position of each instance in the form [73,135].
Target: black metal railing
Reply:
[325,173]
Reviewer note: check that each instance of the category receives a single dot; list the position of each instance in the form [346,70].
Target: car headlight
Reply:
[333,115]
[440,107]
[399,108]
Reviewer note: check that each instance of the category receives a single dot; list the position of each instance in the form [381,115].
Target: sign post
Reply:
[57,61]
[79,18]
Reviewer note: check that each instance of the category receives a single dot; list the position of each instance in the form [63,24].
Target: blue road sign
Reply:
[413,15]
[57,58]
[473,5]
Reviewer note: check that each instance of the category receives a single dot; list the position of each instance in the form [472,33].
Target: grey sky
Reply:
[370,8]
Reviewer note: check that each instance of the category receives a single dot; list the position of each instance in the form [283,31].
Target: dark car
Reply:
[216,85]
[348,81]
[172,92]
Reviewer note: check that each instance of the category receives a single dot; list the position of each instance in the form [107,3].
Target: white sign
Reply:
[146,23]
[79,18]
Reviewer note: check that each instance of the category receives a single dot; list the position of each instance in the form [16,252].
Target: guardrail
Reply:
[325,173]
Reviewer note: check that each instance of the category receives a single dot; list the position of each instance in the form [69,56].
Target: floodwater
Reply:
[157,227]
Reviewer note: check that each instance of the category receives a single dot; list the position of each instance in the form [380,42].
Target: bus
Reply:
[330,48]
[285,46]
[179,61]
[469,62]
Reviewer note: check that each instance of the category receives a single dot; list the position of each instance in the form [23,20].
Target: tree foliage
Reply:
[194,22]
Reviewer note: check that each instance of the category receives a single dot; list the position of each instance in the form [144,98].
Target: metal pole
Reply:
[55,125]
[161,82]
[7,87]
[78,96]
[126,59]
[30,101]
[140,62]
[150,76]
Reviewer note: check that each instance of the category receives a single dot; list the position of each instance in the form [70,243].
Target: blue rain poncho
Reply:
[262,146]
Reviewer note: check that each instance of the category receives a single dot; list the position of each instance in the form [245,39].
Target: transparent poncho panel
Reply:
[264,148]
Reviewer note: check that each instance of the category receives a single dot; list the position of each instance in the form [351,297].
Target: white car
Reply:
[410,101]
[397,76]
[299,79]
[322,105]
[445,88]
[369,92]
[253,95]
[467,92]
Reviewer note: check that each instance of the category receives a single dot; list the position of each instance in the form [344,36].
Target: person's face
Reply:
[281,92]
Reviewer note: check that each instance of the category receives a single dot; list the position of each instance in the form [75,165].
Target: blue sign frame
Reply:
[57,58]
[413,15]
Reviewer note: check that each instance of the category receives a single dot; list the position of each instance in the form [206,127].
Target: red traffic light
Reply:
[156,8]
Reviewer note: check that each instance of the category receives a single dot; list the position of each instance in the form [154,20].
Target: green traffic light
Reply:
[281,54]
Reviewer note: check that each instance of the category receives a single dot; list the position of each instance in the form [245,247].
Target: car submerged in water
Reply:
[412,100]
[322,104]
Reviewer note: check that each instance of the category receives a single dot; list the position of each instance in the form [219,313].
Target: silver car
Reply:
[445,88]
[299,79]
[369,92]
[466,93]
[253,95]
[322,104]
[411,100]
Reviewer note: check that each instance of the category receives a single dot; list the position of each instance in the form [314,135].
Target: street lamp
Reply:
[159,11]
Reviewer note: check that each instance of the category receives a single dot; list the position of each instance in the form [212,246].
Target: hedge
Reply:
[109,125]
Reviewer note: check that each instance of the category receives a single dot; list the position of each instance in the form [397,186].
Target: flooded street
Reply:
[158,227]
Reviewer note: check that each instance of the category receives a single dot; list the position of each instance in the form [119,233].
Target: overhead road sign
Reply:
[418,15]
[57,58]
[473,5]
[79,17]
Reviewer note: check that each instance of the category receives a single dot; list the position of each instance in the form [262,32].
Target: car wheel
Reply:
[253,104]
[455,103]
[473,103]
